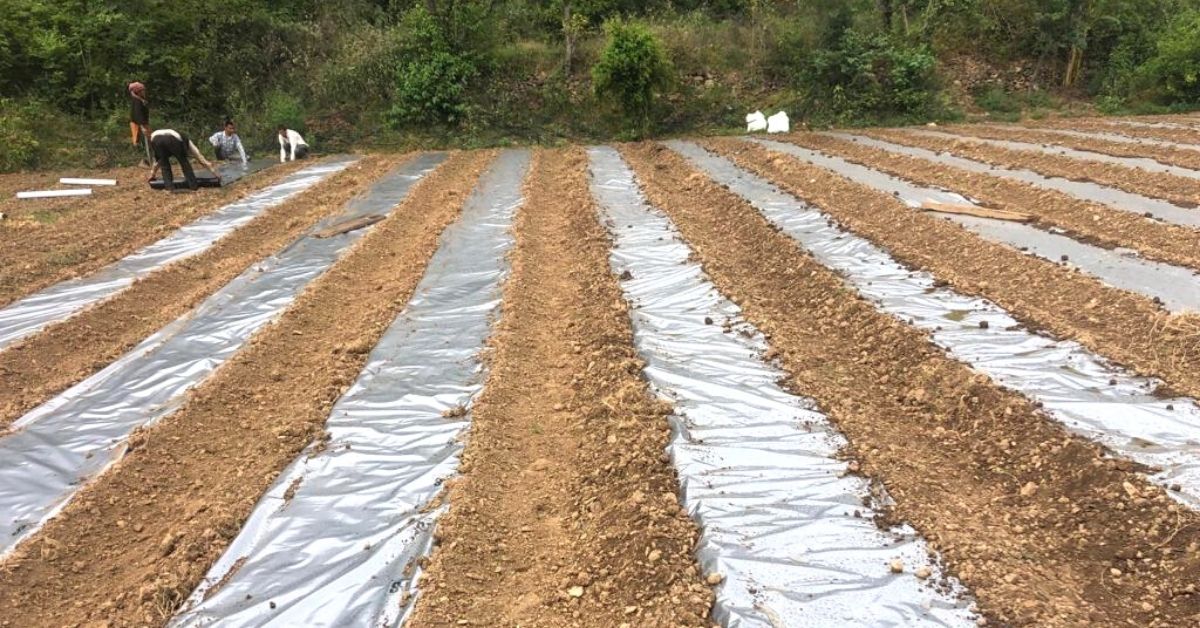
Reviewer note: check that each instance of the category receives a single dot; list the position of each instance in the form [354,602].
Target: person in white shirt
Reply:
[291,145]
[226,142]
[168,143]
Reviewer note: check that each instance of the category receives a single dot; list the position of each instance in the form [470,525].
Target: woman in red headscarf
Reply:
[139,117]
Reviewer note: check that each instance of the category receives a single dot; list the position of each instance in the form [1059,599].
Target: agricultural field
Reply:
[924,376]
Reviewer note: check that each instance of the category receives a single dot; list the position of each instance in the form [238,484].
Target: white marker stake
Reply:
[71,181]
[53,193]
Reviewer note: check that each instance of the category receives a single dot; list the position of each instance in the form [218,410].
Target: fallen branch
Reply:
[973,210]
[347,226]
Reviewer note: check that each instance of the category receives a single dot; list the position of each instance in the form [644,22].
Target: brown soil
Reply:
[1181,136]
[1087,221]
[49,362]
[566,424]
[954,449]
[134,543]
[1179,190]
[49,240]
[26,209]
[1127,327]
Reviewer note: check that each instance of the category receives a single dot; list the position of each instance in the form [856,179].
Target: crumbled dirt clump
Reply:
[49,362]
[1182,191]
[1042,526]
[48,240]
[1087,221]
[134,543]
[1127,327]
[566,513]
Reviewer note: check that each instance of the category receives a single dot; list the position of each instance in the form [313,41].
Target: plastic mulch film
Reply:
[1090,134]
[58,446]
[1085,190]
[62,300]
[1151,125]
[1144,163]
[779,515]
[1089,395]
[336,540]
[1177,287]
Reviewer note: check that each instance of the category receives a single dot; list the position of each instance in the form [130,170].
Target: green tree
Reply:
[632,70]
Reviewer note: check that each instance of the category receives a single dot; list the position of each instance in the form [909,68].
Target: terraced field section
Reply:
[895,377]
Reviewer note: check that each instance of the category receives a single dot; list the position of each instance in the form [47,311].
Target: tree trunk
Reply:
[568,39]
[885,10]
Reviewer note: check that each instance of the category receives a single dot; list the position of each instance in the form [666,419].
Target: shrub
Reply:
[631,71]
[1174,70]
[872,77]
[286,109]
[441,55]
[18,145]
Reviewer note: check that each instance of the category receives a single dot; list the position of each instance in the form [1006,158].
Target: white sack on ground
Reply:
[756,122]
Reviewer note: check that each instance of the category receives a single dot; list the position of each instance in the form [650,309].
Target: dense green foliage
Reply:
[631,71]
[471,72]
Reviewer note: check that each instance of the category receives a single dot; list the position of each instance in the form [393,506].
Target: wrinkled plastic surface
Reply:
[342,550]
[1089,395]
[1177,287]
[62,300]
[58,446]
[1085,190]
[230,171]
[756,122]
[1145,163]
[780,517]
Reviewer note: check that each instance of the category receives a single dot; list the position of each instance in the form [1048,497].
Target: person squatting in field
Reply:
[226,143]
[291,145]
[139,118]
[168,143]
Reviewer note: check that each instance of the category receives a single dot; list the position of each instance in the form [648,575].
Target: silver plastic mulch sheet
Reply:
[1144,163]
[60,301]
[780,517]
[55,448]
[1088,394]
[1177,287]
[335,541]
[1084,190]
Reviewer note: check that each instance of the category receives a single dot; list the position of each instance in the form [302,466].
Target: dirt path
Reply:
[1180,190]
[1171,156]
[565,482]
[1089,222]
[1123,326]
[56,239]
[133,544]
[1033,520]
[1168,134]
[49,362]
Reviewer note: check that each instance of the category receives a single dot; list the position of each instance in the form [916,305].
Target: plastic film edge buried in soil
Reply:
[53,450]
[1084,190]
[337,539]
[780,518]
[1177,287]
[31,314]
[1082,390]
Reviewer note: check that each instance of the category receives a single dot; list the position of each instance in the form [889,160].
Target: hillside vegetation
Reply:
[483,72]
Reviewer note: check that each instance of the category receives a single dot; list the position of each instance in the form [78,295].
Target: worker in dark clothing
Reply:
[139,118]
[168,143]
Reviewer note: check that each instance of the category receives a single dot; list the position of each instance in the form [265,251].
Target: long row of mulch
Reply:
[47,363]
[1187,136]
[1180,190]
[75,236]
[1089,221]
[1041,525]
[1126,327]
[135,542]
[566,512]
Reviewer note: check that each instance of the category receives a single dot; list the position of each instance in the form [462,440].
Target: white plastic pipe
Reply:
[73,181]
[53,193]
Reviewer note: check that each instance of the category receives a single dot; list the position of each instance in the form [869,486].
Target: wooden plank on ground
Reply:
[346,226]
[973,210]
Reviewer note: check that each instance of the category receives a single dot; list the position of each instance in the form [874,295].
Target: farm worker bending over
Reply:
[168,143]
[139,117]
[291,145]
[226,142]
